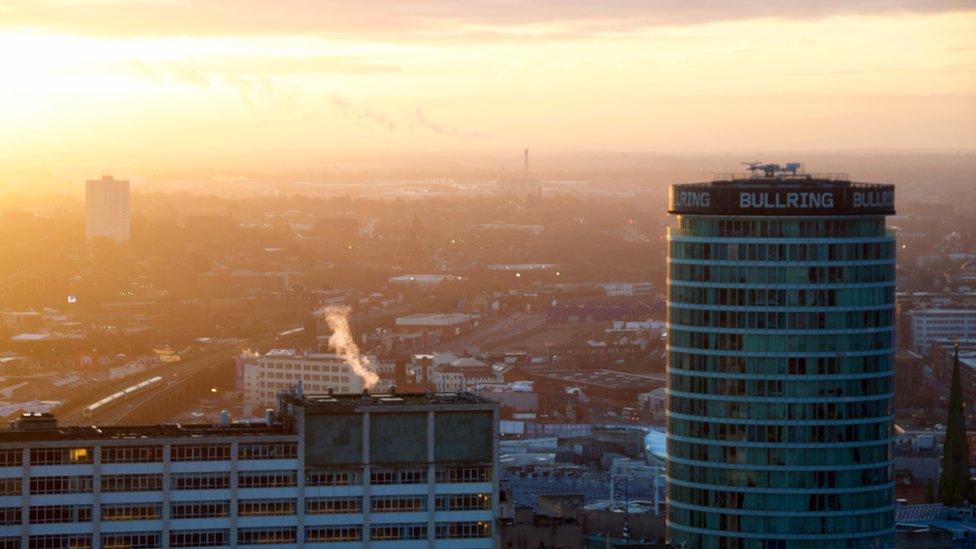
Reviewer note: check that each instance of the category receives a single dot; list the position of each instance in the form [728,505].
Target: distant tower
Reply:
[526,169]
[107,208]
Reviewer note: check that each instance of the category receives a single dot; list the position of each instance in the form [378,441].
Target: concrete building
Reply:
[264,376]
[616,289]
[345,471]
[780,363]
[931,324]
[107,209]
[436,326]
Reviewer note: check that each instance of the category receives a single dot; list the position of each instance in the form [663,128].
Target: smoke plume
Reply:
[342,343]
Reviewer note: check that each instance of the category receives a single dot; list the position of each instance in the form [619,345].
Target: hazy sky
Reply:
[258,84]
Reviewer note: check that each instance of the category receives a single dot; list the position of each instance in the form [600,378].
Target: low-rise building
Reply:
[383,470]
[263,377]
[931,324]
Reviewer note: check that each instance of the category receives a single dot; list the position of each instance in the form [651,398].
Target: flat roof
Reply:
[605,378]
[432,319]
[350,402]
[140,434]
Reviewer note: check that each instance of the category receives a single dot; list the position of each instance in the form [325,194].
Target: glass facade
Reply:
[780,363]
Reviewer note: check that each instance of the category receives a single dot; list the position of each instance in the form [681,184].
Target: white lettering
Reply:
[693,199]
[804,200]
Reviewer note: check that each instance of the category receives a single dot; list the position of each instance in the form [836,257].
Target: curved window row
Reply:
[782,297]
[780,366]
[727,523]
[779,479]
[767,227]
[773,320]
[681,248]
[683,536]
[780,275]
[807,457]
[782,411]
[803,388]
[781,433]
[780,504]
[782,342]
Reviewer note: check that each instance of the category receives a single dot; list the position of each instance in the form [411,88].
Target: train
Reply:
[115,398]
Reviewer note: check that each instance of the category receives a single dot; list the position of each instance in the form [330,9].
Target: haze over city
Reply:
[488,274]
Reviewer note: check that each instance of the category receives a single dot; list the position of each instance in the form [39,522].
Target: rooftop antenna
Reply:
[773,170]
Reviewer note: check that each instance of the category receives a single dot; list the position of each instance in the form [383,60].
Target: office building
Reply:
[107,209]
[384,470]
[263,377]
[780,366]
[929,325]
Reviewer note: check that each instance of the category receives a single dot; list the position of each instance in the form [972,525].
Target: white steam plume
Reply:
[342,343]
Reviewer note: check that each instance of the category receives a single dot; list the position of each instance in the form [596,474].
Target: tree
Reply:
[954,483]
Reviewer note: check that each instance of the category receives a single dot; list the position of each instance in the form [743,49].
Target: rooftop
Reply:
[44,427]
[340,403]
[605,378]
[432,319]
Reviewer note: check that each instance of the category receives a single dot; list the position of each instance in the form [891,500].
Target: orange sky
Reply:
[118,85]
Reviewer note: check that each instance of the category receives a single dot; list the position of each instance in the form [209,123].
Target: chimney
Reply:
[400,375]
[224,418]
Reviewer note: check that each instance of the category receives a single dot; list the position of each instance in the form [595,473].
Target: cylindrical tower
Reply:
[780,363]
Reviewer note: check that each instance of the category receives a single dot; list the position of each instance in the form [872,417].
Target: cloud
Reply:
[430,20]
[362,112]
[420,120]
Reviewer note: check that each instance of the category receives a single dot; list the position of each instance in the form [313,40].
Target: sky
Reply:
[252,84]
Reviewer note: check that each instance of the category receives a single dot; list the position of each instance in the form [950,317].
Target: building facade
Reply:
[339,471]
[929,325]
[107,209]
[265,376]
[780,363]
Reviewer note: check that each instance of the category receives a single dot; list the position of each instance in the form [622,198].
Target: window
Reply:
[266,479]
[265,507]
[333,506]
[200,509]
[10,516]
[398,476]
[60,485]
[463,502]
[200,452]
[55,514]
[10,543]
[11,457]
[136,540]
[200,481]
[451,530]
[388,532]
[132,454]
[131,511]
[267,450]
[334,533]
[60,541]
[198,538]
[265,536]
[12,486]
[463,474]
[333,478]
[132,483]
[398,504]
[61,456]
